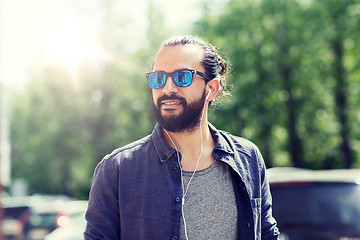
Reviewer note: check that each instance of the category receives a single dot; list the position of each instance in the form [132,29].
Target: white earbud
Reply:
[207,96]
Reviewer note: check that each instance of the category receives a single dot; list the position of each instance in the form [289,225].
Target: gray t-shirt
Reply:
[210,207]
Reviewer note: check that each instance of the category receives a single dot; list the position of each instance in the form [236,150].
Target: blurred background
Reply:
[73,84]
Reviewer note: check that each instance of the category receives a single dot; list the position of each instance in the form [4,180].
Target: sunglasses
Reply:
[181,78]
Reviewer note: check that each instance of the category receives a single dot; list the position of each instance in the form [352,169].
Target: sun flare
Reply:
[69,42]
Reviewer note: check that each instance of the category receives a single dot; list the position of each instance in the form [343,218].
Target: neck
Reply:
[192,145]
[186,138]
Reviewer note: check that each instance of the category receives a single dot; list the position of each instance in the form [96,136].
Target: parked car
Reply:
[48,213]
[74,224]
[316,205]
[33,217]
[17,213]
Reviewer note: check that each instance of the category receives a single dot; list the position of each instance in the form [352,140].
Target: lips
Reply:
[171,102]
[170,105]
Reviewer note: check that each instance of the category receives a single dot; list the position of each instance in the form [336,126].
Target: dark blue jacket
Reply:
[136,191]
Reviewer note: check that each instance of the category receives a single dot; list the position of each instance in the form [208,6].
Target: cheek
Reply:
[155,96]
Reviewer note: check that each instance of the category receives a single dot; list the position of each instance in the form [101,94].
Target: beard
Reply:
[188,120]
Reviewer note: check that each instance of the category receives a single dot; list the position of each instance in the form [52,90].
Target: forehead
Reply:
[172,58]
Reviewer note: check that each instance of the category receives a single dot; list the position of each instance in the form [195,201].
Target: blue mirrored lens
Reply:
[183,78]
[157,80]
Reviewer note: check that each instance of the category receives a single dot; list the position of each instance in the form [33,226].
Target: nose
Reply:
[169,87]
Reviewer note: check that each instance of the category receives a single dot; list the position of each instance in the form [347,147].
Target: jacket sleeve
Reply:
[269,229]
[102,215]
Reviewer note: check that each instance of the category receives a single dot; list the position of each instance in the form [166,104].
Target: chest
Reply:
[210,209]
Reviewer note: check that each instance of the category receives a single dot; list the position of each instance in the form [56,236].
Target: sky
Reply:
[38,31]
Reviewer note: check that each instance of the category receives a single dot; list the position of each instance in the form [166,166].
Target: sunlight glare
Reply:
[69,42]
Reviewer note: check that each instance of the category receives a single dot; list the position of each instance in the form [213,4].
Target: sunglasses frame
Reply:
[171,74]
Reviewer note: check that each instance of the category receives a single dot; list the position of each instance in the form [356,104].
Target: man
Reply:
[187,180]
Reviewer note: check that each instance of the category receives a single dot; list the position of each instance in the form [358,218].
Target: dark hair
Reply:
[215,66]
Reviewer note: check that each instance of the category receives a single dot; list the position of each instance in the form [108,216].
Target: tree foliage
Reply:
[295,76]
[292,72]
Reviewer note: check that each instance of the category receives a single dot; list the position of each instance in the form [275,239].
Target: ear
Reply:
[213,87]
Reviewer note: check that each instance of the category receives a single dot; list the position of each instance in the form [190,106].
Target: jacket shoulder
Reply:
[241,144]
[128,150]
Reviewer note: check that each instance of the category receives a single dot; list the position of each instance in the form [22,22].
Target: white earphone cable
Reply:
[185,190]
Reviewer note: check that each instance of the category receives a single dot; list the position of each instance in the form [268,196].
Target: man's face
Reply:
[188,119]
[176,108]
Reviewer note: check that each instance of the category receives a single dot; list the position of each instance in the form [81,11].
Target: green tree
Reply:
[247,32]
[339,20]
[336,23]
[65,122]
[47,136]
[292,63]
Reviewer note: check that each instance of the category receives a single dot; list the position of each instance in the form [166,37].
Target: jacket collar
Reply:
[162,148]
[221,143]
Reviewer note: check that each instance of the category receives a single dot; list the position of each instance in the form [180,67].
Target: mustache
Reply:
[171,97]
